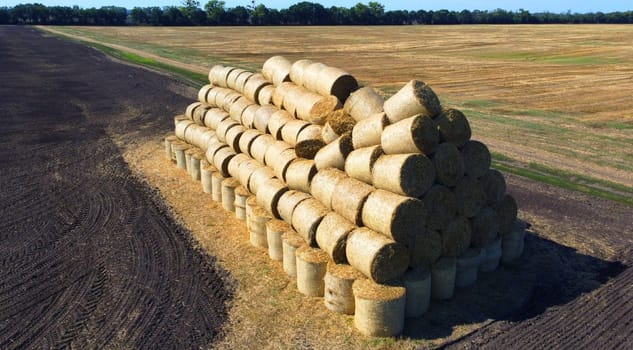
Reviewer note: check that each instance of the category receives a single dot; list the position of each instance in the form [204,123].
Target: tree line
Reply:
[215,13]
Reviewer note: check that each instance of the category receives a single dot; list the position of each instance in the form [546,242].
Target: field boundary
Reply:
[535,171]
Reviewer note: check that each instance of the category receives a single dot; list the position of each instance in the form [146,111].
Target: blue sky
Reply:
[532,6]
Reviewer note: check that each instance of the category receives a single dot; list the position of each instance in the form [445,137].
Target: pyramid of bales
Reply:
[378,206]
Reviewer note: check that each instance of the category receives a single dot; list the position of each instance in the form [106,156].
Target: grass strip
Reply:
[565,179]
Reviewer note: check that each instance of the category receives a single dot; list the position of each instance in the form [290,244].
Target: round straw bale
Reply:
[441,204]
[259,147]
[246,170]
[221,160]
[449,164]
[290,131]
[274,231]
[188,153]
[308,148]
[213,148]
[168,151]
[256,223]
[380,308]
[363,103]
[468,266]
[247,138]
[453,127]
[300,173]
[228,194]
[297,70]
[512,244]
[251,204]
[336,82]
[265,96]
[311,269]
[281,162]
[216,184]
[414,98]
[317,110]
[333,155]
[203,92]
[248,115]
[410,135]
[425,249]
[311,132]
[407,174]
[456,237]
[367,132]
[306,218]
[331,236]
[339,295]
[262,116]
[378,257]
[292,94]
[179,151]
[259,177]
[485,227]
[213,71]
[206,174]
[241,194]
[494,186]
[214,117]
[277,121]
[277,69]
[181,127]
[200,114]
[219,96]
[492,256]
[443,276]
[231,79]
[312,75]
[233,136]
[191,109]
[229,99]
[236,109]
[291,241]
[178,118]
[340,122]
[194,171]
[268,195]
[470,196]
[507,210]
[220,75]
[359,162]
[476,158]
[242,80]
[323,184]
[212,96]
[254,86]
[327,134]
[418,284]
[398,217]
[223,127]
[349,198]
[288,202]
[235,163]
[280,93]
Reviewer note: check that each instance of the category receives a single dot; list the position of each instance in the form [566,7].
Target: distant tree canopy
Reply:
[215,13]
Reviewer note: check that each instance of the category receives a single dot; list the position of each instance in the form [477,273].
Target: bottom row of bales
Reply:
[378,309]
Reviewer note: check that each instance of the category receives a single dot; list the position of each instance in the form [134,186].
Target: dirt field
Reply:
[557,95]
[90,256]
[93,255]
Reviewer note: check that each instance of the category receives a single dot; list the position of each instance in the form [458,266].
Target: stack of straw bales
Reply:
[376,205]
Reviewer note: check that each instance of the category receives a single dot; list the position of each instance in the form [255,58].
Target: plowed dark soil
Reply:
[89,255]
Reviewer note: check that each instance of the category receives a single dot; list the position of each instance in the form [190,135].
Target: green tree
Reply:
[216,13]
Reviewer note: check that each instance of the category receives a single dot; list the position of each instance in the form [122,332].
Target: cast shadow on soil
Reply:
[547,274]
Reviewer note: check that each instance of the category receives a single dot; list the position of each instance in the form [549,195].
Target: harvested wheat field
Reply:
[578,250]
[554,95]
